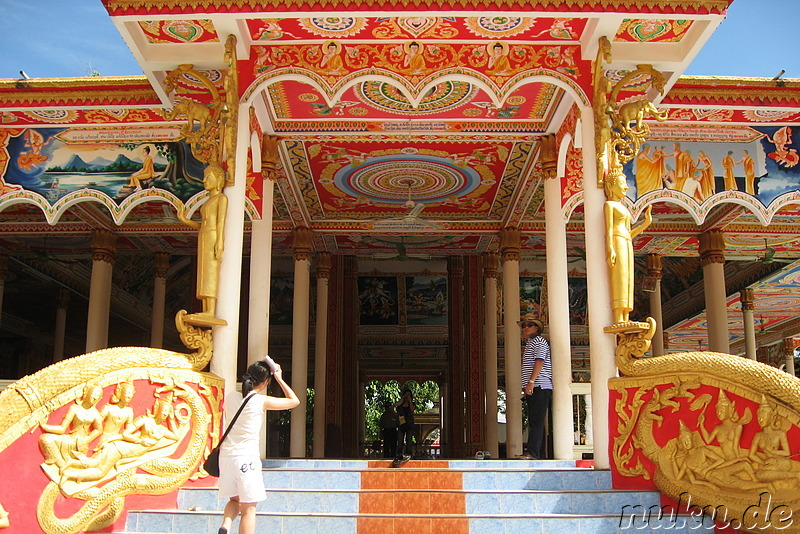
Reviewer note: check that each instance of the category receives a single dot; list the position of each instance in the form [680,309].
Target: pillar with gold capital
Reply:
[655,272]
[602,345]
[712,247]
[748,305]
[161,264]
[321,352]
[490,271]
[789,345]
[302,244]
[3,277]
[261,255]
[557,304]
[103,250]
[60,330]
[509,252]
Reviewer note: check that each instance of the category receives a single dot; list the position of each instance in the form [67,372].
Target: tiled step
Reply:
[465,496]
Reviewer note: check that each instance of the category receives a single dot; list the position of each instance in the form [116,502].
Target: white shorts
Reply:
[240,476]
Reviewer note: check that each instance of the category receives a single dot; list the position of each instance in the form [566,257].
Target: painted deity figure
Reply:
[749,172]
[80,426]
[727,171]
[498,63]
[619,244]
[414,62]
[210,241]
[331,62]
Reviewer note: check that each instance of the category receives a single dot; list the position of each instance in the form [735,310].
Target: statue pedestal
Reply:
[627,327]
[203,320]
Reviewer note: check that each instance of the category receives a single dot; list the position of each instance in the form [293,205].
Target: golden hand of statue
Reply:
[612,257]
[648,215]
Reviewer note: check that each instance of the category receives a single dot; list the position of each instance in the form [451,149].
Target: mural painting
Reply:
[426,300]
[766,167]
[377,299]
[577,300]
[530,295]
[281,297]
[44,160]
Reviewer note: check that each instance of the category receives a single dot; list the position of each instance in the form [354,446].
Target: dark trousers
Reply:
[405,439]
[389,442]
[538,403]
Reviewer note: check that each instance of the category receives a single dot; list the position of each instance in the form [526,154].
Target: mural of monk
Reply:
[650,169]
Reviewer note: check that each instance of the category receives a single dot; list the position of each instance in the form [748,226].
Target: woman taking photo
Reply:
[240,478]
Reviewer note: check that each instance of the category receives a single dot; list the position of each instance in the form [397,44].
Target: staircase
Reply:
[427,496]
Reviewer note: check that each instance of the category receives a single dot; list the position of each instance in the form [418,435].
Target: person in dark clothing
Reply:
[389,422]
[405,409]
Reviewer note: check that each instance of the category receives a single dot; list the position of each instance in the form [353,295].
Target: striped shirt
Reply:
[537,348]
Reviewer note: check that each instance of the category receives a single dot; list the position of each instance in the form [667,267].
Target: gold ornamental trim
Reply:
[746,298]
[77,91]
[119,7]
[491,264]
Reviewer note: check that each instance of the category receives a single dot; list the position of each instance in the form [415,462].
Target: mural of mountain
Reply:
[100,162]
[75,163]
[123,163]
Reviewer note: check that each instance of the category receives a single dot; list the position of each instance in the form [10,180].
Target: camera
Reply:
[270,364]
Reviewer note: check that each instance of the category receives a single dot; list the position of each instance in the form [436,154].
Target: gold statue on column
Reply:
[619,245]
[213,143]
[210,242]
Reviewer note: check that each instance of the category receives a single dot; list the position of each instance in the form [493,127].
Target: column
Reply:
[226,337]
[557,304]
[161,263]
[509,250]
[490,268]
[3,278]
[788,353]
[321,351]
[712,246]
[302,243]
[103,249]
[455,424]
[261,256]
[748,305]
[602,345]
[62,299]
[655,273]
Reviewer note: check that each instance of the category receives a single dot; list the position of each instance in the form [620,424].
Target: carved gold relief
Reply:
[682,413]
[98,453]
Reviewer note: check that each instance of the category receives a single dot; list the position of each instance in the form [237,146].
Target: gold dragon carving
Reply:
[97,455]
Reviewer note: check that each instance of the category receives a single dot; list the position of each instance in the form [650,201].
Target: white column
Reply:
[260,283]
[712,246]
[558,317]
[509,248]
[654,271]
[601,345]
[226,338]
[321,352]
[60,329]
[748,305]
[490,265]
[103,248]
[161,262]
[300,309]
[261,265]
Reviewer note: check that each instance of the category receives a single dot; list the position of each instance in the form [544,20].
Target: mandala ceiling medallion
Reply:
[442,97]
[386,179]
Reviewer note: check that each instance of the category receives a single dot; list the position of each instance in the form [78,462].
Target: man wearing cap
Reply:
[537,379]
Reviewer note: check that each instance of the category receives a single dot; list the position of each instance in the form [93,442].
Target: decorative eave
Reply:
[192,7]
[78,92]
[733,91]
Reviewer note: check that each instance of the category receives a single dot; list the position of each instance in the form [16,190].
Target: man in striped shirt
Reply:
[537,378]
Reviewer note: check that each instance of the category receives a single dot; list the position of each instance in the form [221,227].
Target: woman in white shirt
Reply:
[240,478]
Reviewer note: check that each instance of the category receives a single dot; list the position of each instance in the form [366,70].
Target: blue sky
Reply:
[65,38]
